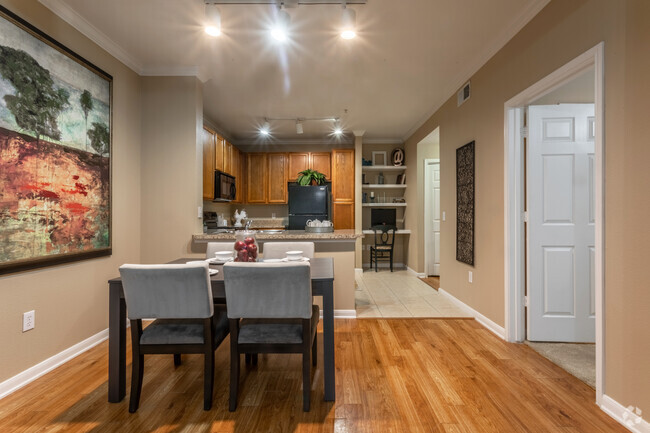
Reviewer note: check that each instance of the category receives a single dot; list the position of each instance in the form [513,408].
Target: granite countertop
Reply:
[341,235]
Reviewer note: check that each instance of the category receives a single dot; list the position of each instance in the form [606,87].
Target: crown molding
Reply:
[501,40]
[383,141]
[344,141]
[72,17]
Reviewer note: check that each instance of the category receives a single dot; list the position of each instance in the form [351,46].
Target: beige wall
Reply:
[172,167]
[559,33]
[71,301]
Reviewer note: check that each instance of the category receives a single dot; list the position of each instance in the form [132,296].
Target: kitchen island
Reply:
[338,244]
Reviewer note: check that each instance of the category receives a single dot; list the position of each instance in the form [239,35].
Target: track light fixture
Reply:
[299,129]
[213,19]
[348,22]
[265,130]
[280,30]
[337,127]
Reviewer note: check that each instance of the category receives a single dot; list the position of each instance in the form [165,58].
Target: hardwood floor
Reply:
[393,375]
[432,281]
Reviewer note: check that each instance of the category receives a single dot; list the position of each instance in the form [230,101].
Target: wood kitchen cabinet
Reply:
[319,161]
[277,177]
[235,164]
[343,188]
[220,144]
[227,158]
[256,178]
[208,138]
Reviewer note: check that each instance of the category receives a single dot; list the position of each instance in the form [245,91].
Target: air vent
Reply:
[463,94]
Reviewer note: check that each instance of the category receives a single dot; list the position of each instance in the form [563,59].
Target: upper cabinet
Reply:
[277,174]
[220,144]
[208,138]
[319,161]
[227,158]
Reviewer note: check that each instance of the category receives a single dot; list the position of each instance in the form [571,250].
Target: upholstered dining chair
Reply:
[278,250]
[179,298]
[384,244]
[270,311]
[213,247]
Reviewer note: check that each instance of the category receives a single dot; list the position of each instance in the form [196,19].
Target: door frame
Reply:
[428,229]
[514,204]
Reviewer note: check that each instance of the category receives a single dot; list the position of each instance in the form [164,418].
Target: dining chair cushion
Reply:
[278,332]
[184,331]
[213,247]
[167,291]
[278,250]
[248,294]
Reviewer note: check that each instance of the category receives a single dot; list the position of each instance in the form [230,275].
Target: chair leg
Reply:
[137,371]
[208,380]
[254,358]
[391,261]
[247,358]
[314,351]
[234,364]
[177,359]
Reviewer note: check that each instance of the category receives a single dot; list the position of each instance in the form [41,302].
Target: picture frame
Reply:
[379,158]
[465,184]
[55,151]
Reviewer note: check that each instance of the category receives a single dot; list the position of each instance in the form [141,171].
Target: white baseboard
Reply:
[498,330]
[417,274]
[630,417]
[21,379]
[358,272]
[345,314]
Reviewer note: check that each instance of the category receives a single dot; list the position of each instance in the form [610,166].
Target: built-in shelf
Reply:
[382,186]
[398,232]
[383,204]
[383,167]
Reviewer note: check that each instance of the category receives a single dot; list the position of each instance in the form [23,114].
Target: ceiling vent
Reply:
[463,94]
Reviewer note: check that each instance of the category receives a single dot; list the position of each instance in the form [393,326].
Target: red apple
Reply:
[252,248]
[240,245]
[242,256]
[250,259]
[249,240]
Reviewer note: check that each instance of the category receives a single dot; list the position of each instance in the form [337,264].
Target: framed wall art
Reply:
[55,151]
[465,204]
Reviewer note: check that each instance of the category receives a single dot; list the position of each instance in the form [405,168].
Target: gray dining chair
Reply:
[278,250]
[179,298]
[213,247]
[270,311]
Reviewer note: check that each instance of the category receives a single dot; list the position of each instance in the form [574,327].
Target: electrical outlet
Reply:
[444,216]
[199,213]
[470,276]
[28,320]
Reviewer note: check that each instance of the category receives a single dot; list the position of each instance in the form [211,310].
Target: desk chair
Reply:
[179,298]
[384,244]
[270,311]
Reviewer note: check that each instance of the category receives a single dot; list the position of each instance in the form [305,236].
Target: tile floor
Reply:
[400,294]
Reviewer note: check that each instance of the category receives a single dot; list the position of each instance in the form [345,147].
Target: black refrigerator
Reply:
[308,203]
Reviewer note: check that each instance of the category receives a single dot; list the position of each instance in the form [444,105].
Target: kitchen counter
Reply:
[286,235]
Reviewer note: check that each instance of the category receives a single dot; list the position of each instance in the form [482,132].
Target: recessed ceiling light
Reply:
[213,20]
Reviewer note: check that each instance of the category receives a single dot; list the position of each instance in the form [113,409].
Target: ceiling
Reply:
[409,57]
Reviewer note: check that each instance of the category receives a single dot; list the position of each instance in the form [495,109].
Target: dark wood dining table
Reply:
[322,283]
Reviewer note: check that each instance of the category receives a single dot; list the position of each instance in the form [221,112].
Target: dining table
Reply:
[322,283]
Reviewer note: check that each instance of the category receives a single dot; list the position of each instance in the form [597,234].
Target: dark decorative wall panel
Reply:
[465,204]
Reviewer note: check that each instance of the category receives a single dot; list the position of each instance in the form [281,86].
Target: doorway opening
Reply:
[429,146]
[523,264]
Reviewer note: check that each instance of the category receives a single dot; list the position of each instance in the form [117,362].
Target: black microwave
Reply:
[224,186]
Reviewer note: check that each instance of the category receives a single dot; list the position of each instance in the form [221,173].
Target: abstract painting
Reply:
[465,204]
[55,151]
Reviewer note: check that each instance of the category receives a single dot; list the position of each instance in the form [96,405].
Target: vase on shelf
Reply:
[380,178]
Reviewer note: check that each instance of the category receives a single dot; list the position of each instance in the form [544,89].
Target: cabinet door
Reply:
[343,215]
[277,177]
[297,163]
[208,164]
[220,144]
[320,161]
[256,178]
[227,158]
[241,182]
[236,171]
[343,175]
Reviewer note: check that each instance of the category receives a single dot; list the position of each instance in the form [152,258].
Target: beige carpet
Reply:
[578,359]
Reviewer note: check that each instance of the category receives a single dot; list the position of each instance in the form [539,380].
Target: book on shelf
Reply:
[401,179]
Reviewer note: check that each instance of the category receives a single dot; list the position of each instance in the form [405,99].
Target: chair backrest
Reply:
[268,290]
[278,250]
[167,291]
[213,247]
[384,235]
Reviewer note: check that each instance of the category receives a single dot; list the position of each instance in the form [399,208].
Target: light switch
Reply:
[199,214]
[444,216]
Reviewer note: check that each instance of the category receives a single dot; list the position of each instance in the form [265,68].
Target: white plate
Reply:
[302,259]
[213,271]
[216,261]
[285,260]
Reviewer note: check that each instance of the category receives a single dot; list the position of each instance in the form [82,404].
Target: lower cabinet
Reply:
[343,215]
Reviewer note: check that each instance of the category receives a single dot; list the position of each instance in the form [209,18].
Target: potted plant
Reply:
[310,177]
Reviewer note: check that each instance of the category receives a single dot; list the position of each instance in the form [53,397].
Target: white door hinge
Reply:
[525,215]
[526,301]
[524,131]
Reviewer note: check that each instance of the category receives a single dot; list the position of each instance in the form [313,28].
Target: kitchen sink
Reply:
[271,232]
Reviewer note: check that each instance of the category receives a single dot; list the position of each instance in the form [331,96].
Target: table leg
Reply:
[116,344]
[328,342]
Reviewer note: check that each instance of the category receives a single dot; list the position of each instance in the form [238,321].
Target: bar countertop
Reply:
[284,235]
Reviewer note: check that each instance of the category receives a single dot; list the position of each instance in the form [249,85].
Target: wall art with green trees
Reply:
[55,151]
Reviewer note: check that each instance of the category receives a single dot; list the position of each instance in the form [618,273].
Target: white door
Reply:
[433,202]
[560,196]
